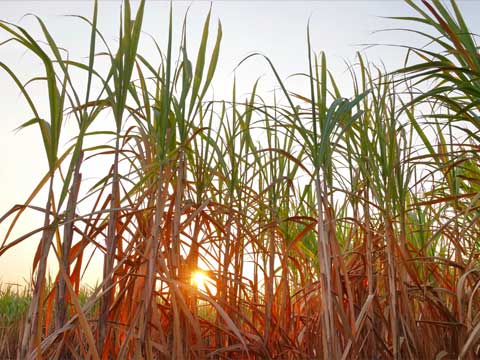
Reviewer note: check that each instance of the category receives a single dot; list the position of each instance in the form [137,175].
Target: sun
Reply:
[199,279]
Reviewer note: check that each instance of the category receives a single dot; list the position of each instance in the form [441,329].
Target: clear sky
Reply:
[274,28]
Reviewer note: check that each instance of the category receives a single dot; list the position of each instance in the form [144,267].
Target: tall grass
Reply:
[328,225]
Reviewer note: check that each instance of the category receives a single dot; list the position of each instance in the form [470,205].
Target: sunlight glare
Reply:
[199,279]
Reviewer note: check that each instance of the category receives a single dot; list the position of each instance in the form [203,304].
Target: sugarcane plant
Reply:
[314,223]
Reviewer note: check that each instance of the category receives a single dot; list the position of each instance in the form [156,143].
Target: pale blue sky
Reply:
[274,28]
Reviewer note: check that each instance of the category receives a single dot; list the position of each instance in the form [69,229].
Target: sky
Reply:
[277,29]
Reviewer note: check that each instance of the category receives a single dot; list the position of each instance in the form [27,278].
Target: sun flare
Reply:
[199,279]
